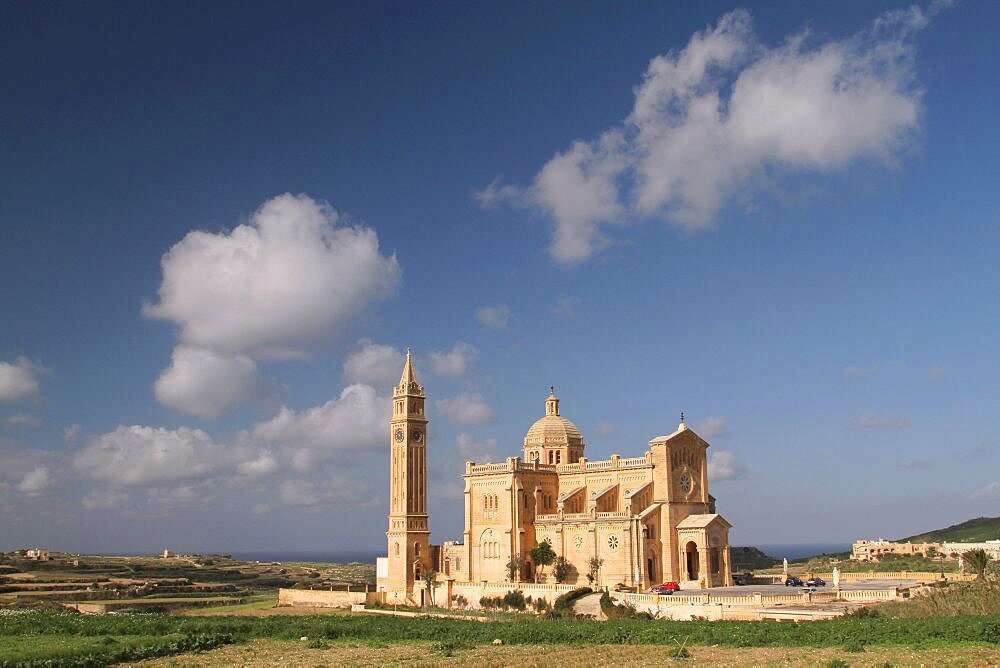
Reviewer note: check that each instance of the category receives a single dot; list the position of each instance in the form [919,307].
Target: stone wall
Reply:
[324,599]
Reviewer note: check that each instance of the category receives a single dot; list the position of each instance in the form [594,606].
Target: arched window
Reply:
[416,549]
[396,545]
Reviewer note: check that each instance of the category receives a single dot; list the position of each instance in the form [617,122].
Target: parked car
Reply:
[672,586]
[793,581]
[743,578]
[662,591]
[816,582]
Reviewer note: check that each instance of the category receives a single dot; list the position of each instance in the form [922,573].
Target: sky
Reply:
[221,227]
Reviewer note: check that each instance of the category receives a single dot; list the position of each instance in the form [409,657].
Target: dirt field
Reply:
[269,653]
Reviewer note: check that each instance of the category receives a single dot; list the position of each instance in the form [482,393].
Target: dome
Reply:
[553,430]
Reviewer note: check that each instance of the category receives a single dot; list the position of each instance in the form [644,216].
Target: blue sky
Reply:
[220,229]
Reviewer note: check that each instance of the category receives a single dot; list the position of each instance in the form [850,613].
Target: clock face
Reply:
[685,482]
[417,435]
[399,435]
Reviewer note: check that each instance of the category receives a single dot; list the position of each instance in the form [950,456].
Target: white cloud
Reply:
[35,481]
[373,364]
[72,432]
[871,421]
[18,380]
[493,317]
[138,455]
[263,464]
[724,465]
[274,285]
[466,409]
[453,363]
[990,491]
[353,423]
[713,118]
[106,500]
[713,426]
[606,428]
[272,288]
[476,451]
[204,383]
[23,420]
[497,192]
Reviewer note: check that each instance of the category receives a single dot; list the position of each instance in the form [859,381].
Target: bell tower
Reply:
[408,534]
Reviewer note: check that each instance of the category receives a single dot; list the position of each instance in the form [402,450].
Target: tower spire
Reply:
[409,377]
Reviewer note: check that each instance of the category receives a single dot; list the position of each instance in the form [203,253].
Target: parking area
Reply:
[776,589]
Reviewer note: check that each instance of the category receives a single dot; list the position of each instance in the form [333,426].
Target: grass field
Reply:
[299,653]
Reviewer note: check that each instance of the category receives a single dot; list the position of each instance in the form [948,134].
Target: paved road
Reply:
[589,605]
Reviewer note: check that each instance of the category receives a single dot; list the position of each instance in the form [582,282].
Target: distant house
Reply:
[37,555]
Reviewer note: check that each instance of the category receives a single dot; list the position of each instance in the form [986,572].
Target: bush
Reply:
[514,600]
[625,611]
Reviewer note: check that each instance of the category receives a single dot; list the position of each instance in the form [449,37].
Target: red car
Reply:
[667,587]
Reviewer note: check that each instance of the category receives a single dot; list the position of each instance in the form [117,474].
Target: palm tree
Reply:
[978,560]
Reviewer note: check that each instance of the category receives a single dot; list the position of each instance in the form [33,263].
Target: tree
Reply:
[594,569]
[541,556]
[978,560]
[429,576]
[514,566]
[562,570]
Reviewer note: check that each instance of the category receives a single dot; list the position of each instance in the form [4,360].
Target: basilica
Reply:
[650,518]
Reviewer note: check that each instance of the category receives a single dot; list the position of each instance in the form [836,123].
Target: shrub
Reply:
[514,600]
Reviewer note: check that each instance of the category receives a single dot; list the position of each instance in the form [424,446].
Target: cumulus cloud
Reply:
[355,422]
[269,289]
[466,409]
[264,463]
[493,317]
[871,421]
[724,465]
[990,491]
[23,421]
[713,427]
[19,379]
[476,451]
[205,383]
[138,455]
[713,118]
[373,364]
[35,481]
[453,363]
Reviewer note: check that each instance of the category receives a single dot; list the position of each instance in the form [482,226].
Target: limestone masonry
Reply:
[650,518]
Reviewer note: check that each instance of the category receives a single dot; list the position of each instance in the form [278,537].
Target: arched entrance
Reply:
[691,560]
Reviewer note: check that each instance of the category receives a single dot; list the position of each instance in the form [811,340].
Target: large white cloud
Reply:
[18,379]
[710,119]
[453,363]
[373,364]
[476,451]
[138,455]
[466,409]
[355,422]
[271,288]
[204,383]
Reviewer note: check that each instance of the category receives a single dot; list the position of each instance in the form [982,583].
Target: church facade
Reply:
[650,518]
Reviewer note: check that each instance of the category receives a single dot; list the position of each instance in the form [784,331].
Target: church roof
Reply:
[553,429]
[701,521]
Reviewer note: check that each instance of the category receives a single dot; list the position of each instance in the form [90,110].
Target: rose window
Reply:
[613,542]
[578,543]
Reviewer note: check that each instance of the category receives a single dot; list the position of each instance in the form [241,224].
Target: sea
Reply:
[779,551]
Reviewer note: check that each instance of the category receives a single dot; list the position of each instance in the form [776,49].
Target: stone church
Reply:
[650,518]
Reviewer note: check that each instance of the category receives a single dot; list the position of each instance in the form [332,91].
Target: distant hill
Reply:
[750,558]
[973,531]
